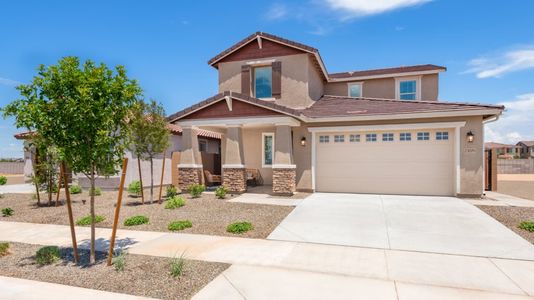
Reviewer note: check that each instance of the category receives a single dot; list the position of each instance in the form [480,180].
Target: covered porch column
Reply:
[190,165]
[284,169]
[233,169]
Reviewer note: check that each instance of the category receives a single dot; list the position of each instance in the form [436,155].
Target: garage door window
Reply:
[405,136]
[423,136]
[442,135]
[324,139]
[370,137]
[339,138]
[354,138]
[387,137]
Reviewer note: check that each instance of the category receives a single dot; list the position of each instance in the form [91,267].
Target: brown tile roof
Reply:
[386,71]
[527,143]
[338,106]
[239,96]
[261,34]
[175,129]
[24,135]
[493,145]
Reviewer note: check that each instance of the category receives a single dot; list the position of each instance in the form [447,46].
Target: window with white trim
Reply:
[423,136]
[354,138]
[267,154]
[370,137]
[339,138]
[387,137]
[405,136]
[408,88]
[355,89]
[324,139]
[442,135]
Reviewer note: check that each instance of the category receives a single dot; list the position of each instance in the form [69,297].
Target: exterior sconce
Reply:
[470,136]
[303,141]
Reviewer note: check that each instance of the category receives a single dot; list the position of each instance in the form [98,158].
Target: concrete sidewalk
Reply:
[16,289]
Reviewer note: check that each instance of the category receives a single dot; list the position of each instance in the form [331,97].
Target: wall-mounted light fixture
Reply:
[303,141]
[470,136]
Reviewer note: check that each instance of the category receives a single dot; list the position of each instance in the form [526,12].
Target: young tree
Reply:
[83,110]
[149,134]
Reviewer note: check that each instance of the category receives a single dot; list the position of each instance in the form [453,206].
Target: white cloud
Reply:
[357,8]
[9,82]
[515,124]
[276,12]
[511,61]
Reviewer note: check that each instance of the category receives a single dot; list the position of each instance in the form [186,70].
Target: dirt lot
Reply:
[511,217]
[142,275]
[208,214]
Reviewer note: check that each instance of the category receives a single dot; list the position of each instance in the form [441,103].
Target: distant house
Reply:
[527,148]
[504,150]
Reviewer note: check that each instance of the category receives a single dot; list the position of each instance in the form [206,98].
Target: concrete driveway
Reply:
[445,225]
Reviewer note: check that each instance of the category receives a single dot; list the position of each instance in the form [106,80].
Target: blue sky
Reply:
[488,47]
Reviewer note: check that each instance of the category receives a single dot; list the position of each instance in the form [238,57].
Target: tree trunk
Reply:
[50,188]
[151,180]
[141,180]
[36,178]
[92,257]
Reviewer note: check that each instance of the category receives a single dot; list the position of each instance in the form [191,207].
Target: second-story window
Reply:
[355,89]
[263,82]
[408,89]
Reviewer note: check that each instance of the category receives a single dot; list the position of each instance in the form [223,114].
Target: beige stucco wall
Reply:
[430,87]
[253,148]
[316,81]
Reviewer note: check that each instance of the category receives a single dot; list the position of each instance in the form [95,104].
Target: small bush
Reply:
[239,227]
[96,192]
[177,265]
[1,195]
[47,255]
[174,202]
[7,212]
[136,220]
[171,191]
[75,189]
[135,188]
[527,225]
[195,190]
[220,192]
[87,220]
[119,260]
[180,225]
[3,180]
[4,249]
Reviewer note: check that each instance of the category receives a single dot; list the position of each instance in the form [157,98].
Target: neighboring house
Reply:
[376,131]
[527,148]
[504,150]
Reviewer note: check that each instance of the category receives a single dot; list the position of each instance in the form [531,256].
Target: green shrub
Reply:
[135,188]
[177,265]
[7,212]
[136,220]
[171,191]
[87,220]
[179,225]
[174,202]
[195,190]
[119,260]
[527,225]
[47,255]
[220,192]
[239,227]
[75,189]
[96,192]
[3,180]
[4,249]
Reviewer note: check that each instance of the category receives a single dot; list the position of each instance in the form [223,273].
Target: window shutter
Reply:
[277,79]
[245,80]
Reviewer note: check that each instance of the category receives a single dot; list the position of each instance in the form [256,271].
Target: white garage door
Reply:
[417,162]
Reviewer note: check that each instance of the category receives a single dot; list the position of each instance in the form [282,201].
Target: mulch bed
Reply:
[511,217]
[208,214]
[142,275]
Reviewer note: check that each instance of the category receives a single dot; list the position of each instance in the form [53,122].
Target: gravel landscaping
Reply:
[207,214]
[511,217]
[142,275]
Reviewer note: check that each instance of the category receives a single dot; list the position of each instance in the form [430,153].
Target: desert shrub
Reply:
[119,260]
[75,189]
[174,202]
[7,212]
[171,191]
[4,249]
[195,190]
[135,188]
[527,225]
[239,227]
[3,180]
[179,225]
[1,195]
[47,255]
[87,220]
[220,192]
[97,191]
[177,265]
[136,220]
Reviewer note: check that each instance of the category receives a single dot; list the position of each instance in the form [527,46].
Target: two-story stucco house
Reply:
[376,131]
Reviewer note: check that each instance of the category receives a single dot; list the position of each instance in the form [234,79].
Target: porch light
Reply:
[470,136]
[303,141]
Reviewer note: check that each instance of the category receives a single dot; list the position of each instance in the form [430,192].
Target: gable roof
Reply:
[526,143]
[386,72]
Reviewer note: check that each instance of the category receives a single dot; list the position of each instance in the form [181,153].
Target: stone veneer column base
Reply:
[235,179]
[188,176]
[284,181]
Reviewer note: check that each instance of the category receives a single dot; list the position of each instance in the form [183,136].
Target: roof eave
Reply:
[398,74]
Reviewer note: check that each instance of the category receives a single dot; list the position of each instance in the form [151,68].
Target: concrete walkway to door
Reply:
[445,225]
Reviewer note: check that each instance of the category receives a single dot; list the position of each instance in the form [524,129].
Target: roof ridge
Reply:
[389,68]
[414,101]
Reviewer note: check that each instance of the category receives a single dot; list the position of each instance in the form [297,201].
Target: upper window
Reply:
[387,137]
[405,136]
[423,136]
[268,149]
[202,145]
[263,82]
[354,138]
[324,139]
[370,137]
[339,138]
[442,135]
[408,88]
[355,90]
